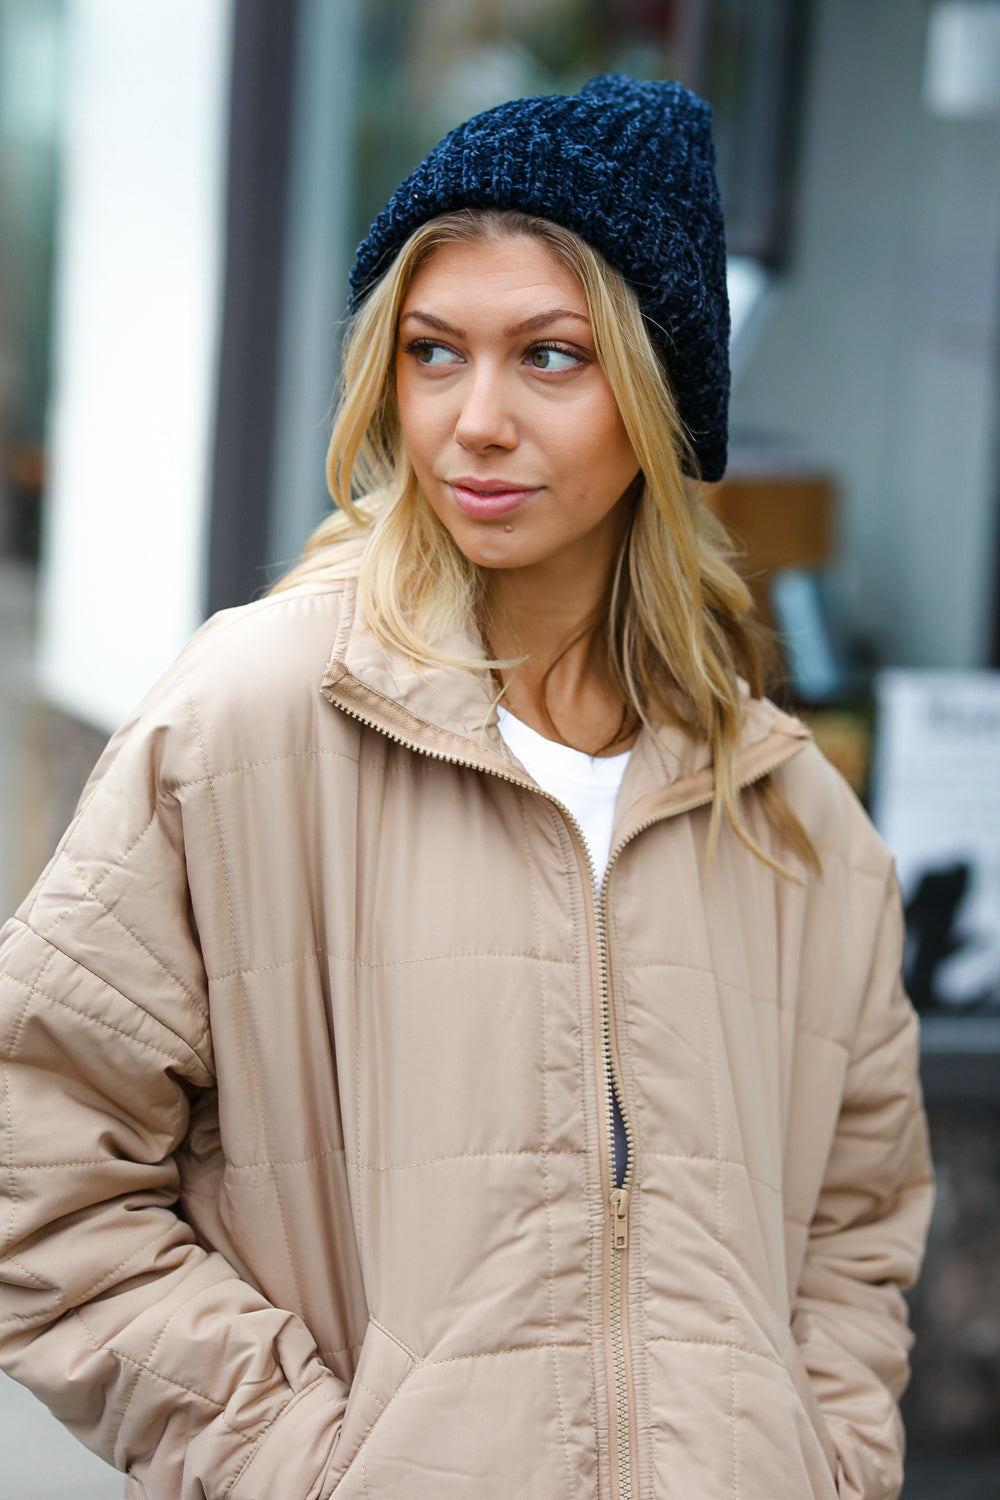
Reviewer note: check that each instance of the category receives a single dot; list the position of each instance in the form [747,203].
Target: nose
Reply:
[485,418]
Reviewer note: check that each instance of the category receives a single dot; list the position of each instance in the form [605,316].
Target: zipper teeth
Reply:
[619,1362]
[615,1088]
[621,1380]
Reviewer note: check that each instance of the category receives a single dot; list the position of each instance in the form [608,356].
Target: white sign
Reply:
[936,802]
[962,77]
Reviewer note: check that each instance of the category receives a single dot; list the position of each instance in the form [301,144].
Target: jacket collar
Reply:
[448,713]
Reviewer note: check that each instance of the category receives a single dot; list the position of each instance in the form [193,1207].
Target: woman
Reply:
[458,1048]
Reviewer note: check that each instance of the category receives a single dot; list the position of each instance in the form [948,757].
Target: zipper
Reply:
[620,1373]
[620,1394]
[621,1397]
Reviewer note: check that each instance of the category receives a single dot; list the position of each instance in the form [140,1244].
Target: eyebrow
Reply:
[527,325]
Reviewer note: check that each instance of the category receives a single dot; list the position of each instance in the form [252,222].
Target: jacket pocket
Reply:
[383,1365]
[795,1365]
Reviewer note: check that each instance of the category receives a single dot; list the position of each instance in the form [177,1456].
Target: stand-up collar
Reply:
[448,712]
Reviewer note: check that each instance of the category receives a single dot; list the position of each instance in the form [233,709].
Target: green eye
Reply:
[547,358]
[432,354]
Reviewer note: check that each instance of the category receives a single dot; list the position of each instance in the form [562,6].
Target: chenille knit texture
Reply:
[629,166]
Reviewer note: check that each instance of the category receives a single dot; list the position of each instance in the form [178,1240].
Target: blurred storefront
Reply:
[31,74]
[182,183]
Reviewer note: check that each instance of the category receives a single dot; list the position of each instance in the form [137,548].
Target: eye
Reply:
[552,357]
[426,352]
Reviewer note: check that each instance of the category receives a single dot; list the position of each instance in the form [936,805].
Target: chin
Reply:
[494,555]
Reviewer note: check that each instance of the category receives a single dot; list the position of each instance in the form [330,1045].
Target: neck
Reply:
[555,619]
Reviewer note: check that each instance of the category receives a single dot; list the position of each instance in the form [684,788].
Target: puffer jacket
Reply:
[307,1034]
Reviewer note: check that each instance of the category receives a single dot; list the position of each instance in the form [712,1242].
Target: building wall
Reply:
[882,352]
[137,308]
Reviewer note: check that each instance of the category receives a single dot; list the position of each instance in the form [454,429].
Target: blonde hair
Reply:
[682,631]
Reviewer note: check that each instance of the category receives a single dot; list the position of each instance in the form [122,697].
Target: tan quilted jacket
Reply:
[306,1035]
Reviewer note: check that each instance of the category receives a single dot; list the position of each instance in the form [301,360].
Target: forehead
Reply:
[486,272]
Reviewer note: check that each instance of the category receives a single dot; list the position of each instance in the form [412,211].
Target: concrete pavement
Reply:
[39,1460]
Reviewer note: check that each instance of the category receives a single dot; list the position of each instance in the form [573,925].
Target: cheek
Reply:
[603,446]
[426,430]
[405,406]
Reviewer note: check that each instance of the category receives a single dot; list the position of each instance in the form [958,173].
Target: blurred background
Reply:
[182,184]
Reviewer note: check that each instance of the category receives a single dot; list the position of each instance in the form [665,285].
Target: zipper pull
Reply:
[619,1218]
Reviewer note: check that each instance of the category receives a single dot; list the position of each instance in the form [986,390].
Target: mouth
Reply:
[486,499]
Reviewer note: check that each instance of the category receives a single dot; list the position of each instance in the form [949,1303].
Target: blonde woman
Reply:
[458,1048]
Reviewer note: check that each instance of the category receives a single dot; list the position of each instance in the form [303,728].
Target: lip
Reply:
[487,499]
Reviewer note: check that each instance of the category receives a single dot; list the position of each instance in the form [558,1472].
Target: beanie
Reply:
[629,167]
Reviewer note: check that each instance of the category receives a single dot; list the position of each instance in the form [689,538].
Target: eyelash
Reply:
[415,345]
[558,348]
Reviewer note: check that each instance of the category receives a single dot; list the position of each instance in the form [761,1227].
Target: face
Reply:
[510,423]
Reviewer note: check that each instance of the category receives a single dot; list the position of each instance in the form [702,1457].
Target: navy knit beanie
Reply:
[629,167]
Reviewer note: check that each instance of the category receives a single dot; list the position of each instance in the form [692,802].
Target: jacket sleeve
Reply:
[146,1344]
[866,1237]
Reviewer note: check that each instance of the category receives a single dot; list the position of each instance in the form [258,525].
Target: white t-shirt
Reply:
[586,784]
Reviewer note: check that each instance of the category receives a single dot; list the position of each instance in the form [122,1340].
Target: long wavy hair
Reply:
[682,629]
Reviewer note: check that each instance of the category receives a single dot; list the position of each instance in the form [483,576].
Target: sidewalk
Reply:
[952,1479]
[41,1461]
